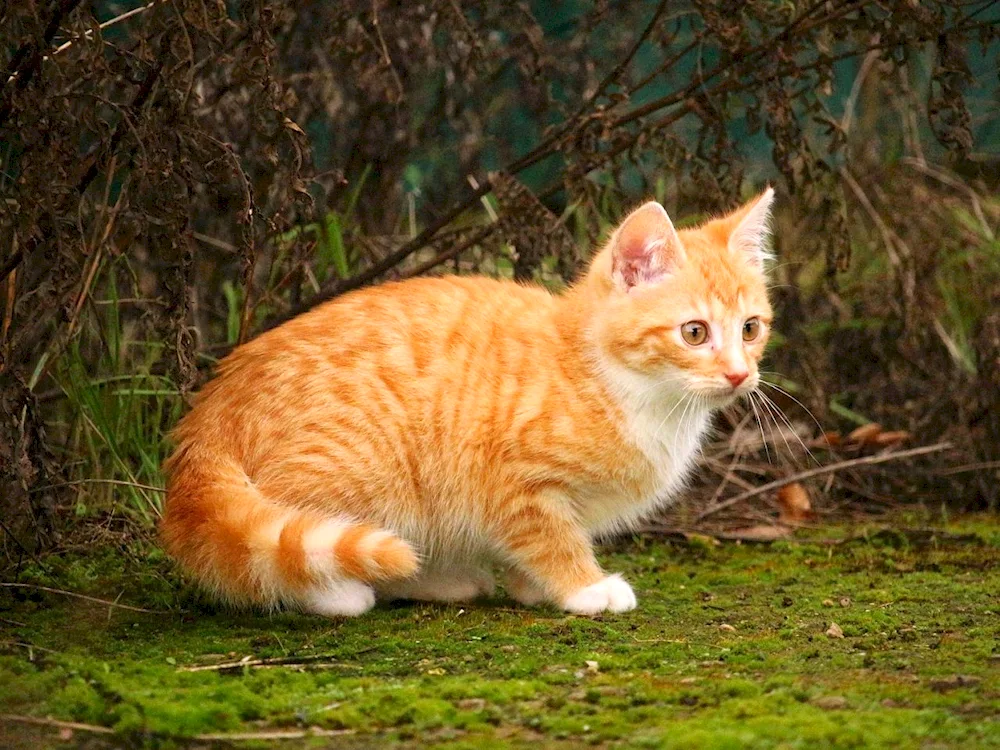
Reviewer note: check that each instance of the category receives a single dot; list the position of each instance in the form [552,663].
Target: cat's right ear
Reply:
[646,247]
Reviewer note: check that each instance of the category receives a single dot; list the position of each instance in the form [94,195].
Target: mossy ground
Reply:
[918,666]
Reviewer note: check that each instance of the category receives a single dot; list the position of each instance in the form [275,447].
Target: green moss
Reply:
[916,611]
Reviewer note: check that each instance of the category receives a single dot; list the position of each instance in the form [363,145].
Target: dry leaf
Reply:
[834,631]
[865,434]
[793,500]
[892,437]
[592,667]
[759,533]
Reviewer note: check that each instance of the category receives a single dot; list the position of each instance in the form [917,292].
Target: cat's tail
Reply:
[249,549]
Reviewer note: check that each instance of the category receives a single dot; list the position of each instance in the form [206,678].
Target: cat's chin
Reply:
[721,398]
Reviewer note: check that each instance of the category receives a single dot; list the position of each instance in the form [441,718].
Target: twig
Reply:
[74,595]
[31,57]
[385,50]
[615,73]
[24,549]
[273,734]
[280,661]
[447,255]
[121,482]
[943,177]
[74,725]
[821,470]
[107,24]
[966,468]
[266,734]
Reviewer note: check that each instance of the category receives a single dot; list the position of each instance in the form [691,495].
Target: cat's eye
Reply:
[694,332]
[751,329]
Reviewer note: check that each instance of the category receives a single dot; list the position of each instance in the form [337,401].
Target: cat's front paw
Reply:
[611,594]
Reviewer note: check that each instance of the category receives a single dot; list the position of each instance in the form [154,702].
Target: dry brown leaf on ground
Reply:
[865,434]
[891,437]
[794,504]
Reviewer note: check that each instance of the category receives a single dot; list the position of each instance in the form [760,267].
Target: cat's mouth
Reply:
[724,395]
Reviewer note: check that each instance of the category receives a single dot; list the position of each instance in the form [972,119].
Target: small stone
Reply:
[845,601]
[471,704]
[831,702]
[727,628]
[828,602]
[834,631]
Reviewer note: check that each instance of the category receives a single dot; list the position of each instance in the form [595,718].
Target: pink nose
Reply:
[737,377]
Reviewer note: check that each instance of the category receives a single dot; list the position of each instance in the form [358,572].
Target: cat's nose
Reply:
[735,378]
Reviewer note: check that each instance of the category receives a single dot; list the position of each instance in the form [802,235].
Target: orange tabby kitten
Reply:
[409,440]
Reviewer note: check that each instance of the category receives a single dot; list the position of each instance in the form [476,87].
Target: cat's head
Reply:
[687,312]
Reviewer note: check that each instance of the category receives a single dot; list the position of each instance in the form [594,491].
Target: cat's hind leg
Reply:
[442,584]
[521,588]
[338,598]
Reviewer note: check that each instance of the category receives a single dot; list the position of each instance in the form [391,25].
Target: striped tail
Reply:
[248,549]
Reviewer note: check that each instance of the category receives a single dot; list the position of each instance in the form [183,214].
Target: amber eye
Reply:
[751,329]
[695,332]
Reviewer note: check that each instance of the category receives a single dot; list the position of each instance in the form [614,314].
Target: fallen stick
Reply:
[84,597]
[819,471]
[56,724]
[265,734]
[284,661]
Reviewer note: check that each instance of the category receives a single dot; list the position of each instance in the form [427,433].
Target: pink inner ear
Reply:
[641,267]
[646,247]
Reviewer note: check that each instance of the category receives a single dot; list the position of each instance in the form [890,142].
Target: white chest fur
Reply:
[668,432]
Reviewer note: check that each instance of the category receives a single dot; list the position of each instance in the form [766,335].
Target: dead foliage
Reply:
[163,151]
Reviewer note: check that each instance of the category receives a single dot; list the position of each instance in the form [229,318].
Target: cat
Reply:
[411,439]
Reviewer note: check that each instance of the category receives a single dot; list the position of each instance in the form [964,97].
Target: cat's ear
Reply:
[751,231]
[646,247]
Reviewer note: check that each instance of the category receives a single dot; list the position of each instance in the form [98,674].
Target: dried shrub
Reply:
[165,152]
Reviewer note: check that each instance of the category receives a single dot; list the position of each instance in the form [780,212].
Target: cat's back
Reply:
[389,348]
[411,322]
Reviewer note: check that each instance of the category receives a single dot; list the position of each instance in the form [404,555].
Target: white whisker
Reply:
[774,408]
[782,391]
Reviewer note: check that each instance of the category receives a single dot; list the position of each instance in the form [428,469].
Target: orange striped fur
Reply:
[413,439]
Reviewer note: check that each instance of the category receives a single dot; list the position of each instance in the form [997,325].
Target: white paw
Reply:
[346,598]
[609,595]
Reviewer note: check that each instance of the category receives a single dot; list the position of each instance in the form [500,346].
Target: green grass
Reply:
[915,614]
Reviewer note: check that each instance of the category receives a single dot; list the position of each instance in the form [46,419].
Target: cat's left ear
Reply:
[645,248]
[752,229]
